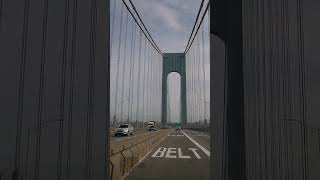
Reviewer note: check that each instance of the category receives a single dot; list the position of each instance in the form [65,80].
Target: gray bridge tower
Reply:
[174,62]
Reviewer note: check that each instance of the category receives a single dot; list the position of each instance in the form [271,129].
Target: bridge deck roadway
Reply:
[177,157]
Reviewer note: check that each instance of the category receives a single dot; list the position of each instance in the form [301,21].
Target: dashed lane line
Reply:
[176,135]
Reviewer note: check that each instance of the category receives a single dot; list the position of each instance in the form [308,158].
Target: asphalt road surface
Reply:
[202,138]
[136,132]
[182,155]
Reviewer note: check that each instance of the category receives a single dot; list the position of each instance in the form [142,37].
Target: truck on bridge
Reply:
[151,125]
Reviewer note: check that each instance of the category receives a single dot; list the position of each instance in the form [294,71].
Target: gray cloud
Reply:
[170,21]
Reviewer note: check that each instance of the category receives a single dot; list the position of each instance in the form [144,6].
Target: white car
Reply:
[124,129]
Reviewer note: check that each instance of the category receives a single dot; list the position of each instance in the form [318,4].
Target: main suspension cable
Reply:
[134,8]
[194,25]
[203,16]
[154,45]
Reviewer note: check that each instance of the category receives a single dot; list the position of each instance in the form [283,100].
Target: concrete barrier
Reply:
[125,154]
[115,168]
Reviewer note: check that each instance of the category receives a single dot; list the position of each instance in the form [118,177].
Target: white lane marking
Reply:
[176,135]
[160,151]
[182,156]
[198,145]
[170,153]
[163,152]
[195,152]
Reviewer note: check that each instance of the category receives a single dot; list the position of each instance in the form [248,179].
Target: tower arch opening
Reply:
[174,98]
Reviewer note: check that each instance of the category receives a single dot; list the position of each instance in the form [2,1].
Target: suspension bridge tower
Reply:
[174,62]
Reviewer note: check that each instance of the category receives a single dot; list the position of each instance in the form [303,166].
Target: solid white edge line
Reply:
[124,176]
[197,144]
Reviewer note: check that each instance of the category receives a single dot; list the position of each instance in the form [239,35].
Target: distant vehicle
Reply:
[151,125]
[178,126]
[124,129]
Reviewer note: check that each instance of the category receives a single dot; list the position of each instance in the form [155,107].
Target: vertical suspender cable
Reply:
[144,78]
[168,102]
[195,83]
[187,85]
[148,80]
[152,86]
[193,86]
[198,77]
[190,85]
[146,83]
[159,78]
[204,74]
[124,65]
[117,76]
[112,27]
[138,87]
[131,69]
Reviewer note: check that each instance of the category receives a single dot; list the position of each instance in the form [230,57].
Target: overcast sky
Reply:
[169,23]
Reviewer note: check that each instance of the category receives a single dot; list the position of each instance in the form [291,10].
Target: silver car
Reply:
[124,129]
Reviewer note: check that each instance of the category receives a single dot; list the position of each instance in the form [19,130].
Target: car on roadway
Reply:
[124,129]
